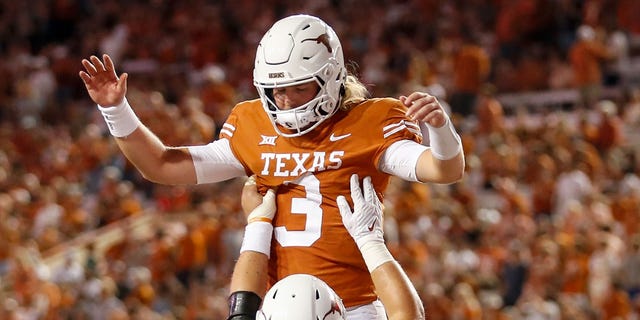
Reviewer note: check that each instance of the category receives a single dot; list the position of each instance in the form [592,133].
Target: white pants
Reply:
[373,311]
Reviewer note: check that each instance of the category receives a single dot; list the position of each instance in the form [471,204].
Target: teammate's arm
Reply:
[249,279]
[155,161]
[395,290]
[444,161]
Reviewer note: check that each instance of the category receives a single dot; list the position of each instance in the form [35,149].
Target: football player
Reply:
[300,296]
[312,127]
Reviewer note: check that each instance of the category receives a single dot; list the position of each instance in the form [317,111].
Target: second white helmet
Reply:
[300,49]
[301,297]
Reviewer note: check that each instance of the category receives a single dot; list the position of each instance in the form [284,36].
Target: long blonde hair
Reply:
[355,92]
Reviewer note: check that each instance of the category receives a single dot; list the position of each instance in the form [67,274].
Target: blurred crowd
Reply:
[544,225]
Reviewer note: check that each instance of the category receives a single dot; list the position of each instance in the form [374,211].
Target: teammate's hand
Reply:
[425,107]
[365,222]
[103,85]
[256,206]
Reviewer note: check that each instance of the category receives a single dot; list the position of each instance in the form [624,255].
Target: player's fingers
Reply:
[85,77]
[97,63]
[269,202]
[436,118]
[418,111]
[413,97]
[250,193]
[368,190]
[345,209]
[270,196]
[420,107]
[250,185]
[122,82]
[266,210]
[91,70]
[356,192]
[423,101]
[108,63]
[251,180]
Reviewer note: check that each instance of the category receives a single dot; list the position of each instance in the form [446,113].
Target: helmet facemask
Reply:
[298,50]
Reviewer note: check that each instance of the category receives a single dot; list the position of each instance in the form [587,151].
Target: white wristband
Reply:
[375,253]
[257,237]
[120,119]
[444,141]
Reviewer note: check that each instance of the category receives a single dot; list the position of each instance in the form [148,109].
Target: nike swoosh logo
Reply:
[373,225]
[333,137]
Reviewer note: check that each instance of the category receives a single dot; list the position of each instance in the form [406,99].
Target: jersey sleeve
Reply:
[215,162]
[229,126]
[247,129]
[401,159]
[395,125]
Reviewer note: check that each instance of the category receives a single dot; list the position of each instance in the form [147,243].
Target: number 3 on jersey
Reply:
[309,206]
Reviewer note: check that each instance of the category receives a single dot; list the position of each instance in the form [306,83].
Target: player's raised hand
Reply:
[364,223]
[425,107]
[103,84]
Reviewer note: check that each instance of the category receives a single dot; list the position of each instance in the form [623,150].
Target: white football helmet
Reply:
[296,50]
[301,297]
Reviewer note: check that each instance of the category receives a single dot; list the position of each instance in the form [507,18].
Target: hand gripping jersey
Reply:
[309,172]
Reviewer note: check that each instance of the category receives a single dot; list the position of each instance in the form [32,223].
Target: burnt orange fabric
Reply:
[627,13]
[610,133]
[471,68]
[625,210]
[192,250]
[490,115]
[576,274]
[585,58]
[310,172]
[616,306]
[160,260]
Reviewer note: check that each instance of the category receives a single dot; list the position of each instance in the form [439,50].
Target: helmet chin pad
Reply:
[296,121]
[301,119]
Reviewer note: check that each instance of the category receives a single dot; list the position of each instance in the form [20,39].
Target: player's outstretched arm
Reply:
[444,161]
[364,223]
[154,160]
[249,279]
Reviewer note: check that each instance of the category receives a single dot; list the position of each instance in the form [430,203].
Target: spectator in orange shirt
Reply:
[611,128]
[160,257]
[585,56]
[489,111]
[616,304]
[471,67]
[192,255]
[576,268]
